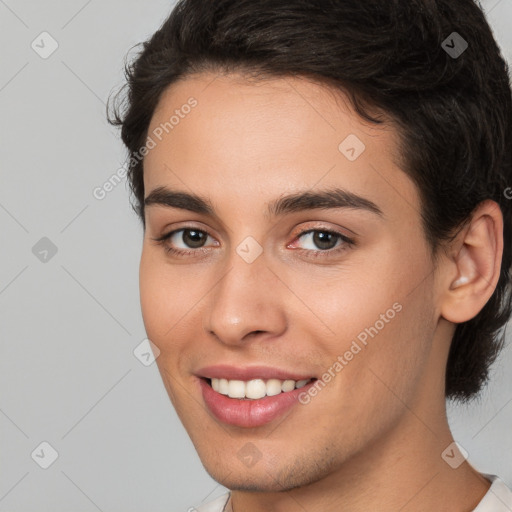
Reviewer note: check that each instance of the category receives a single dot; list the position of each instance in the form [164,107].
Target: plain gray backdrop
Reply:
[69,304]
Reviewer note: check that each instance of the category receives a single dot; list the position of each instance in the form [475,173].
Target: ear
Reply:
[474,264]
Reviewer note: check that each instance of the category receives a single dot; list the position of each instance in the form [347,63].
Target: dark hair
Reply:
[453,112]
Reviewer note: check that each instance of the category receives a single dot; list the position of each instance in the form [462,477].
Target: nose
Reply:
[245,302]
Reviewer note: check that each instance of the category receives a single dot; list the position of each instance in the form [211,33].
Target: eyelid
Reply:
[340,237]
[322,226]
[169,234]
[347,241]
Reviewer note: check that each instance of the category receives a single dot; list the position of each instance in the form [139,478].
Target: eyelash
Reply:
[347,243]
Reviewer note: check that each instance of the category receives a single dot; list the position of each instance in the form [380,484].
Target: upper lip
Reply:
[224,371]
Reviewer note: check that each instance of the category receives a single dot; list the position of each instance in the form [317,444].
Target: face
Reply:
[285,277]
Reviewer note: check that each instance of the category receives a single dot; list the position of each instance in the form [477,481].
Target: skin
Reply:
[372,438]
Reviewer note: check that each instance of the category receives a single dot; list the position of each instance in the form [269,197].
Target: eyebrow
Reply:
[300,201]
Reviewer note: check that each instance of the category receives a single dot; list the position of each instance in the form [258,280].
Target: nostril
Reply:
[253,333]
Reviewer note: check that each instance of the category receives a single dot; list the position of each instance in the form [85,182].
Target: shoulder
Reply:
[498,498]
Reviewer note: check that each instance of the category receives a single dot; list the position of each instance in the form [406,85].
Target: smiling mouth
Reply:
[255,389]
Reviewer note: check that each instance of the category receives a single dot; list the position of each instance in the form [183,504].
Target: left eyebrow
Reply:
[300,201]
[323,199]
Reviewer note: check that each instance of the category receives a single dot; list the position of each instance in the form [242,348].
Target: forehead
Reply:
[242,139]
[293,109]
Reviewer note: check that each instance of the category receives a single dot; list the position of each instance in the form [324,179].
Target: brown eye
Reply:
[325,240]
[322,240]
[184,241]
[193,238]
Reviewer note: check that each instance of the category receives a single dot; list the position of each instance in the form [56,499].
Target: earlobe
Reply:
[476,266]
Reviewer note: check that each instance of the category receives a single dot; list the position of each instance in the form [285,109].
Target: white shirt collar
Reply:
[498,498]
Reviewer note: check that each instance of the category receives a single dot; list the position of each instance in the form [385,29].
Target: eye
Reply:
[192,242]
[185,241]
[189,238]
[318,241]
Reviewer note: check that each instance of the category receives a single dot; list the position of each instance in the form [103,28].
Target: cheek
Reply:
[350,304]
[158,299]
[170,297]
[152,299]
[381,320]
[382,295]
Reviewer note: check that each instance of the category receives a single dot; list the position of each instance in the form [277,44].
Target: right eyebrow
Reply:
[163,196]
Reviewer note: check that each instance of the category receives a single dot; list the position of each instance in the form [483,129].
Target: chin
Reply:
[267,477]
[246,480]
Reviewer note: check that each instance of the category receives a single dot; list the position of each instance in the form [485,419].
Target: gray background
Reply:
[69,325]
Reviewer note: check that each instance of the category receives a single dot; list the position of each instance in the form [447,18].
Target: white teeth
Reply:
[273,387]
[288,385]
[236,389]
[223,386]
[255,388]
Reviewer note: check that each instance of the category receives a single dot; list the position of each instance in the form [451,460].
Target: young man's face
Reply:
[262,296]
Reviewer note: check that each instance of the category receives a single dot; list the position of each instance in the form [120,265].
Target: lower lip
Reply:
[249,413]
